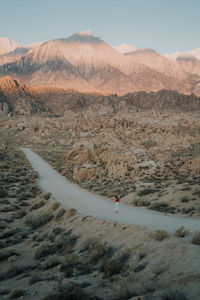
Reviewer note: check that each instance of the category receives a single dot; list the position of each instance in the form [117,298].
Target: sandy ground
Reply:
[86,203]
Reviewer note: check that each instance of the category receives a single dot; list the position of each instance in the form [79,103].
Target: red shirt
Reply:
[117,199]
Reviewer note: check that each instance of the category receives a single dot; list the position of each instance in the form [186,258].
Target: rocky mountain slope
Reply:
[17,98]
[86,63]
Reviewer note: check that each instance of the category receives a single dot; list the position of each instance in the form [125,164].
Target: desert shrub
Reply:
[55,205]
[4,201]
[28,195]
[3,193]
[9,232]
[141,255]
[125,288]
[5,254]
[20,214]
[149,143]
[17,238]
[96,250]
[95,253]
[141,202]
[124,256]
[160,235]
[160,206]
[35,189]
[2,225]
[139,268]
[47,196]
[34,277]
[37,205]
[181,232]
[41,237]
[51,262]
[88,243]
[44,249]
[196,238]
[60,213]
[16,293]
[65,242]
[146,191]
[71,212]
[34,221]
[185,199]
[112,267]
[70,291]
[57,230]
[13,270]
[174,295]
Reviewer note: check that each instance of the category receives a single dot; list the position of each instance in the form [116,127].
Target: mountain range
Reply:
[87,63]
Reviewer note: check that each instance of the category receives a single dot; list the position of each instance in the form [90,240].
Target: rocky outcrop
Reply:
[21,99]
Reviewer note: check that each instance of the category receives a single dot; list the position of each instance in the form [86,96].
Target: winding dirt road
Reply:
[72,196]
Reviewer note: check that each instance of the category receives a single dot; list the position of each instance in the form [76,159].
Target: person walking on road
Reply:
[117,200]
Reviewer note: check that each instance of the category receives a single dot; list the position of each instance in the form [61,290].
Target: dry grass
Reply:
[160,235]
[181,232]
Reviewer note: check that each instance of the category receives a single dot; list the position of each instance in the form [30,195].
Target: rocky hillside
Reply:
[17,98]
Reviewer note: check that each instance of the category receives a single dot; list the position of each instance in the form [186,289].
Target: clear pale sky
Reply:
[165,25]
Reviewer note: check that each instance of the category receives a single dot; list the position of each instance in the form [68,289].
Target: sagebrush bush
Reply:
[141,202]
[34,221]
[51,262]
[55,205]
[37,205]
[181,232]
[71,212]
[34,277]
[16,293]
[44,249]
[13,270]
[65,242]
[185,199]
[125,288]
[174,295]
[20,214]
[60,213]
[5,254]
[70,291]
[112,267]
[160,235]
[47,196]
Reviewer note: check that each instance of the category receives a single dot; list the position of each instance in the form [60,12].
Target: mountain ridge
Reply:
[87,63]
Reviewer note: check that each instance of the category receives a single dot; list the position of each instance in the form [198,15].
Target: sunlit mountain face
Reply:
[87,63]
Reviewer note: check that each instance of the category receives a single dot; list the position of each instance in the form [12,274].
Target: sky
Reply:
[164,25]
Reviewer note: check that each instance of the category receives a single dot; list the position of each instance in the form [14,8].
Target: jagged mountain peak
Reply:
[84,37]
